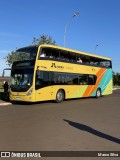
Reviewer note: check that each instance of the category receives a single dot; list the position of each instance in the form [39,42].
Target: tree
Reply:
[43,39]
[116,79]
[10,57]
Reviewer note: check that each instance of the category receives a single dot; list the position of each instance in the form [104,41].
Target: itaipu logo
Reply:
[56,66]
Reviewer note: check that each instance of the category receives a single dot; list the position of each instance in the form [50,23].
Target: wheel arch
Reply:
[60,95]
[99,88]
[63,92]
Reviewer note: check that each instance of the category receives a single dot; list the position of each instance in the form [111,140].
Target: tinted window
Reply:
[28,53]
[83,79]
[44,79]
[91,79]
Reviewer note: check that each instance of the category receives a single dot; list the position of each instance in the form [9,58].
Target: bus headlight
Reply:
[29,92]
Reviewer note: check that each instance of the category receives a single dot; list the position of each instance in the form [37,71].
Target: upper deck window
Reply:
[57,54]
[28,53]
[72,57]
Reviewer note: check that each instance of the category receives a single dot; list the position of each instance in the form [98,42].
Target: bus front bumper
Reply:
[22,98]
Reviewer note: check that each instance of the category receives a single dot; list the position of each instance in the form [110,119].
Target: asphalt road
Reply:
[75,125]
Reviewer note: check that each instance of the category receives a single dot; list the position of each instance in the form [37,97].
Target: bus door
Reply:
[42,86]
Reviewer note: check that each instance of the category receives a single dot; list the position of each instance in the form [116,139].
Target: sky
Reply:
[98,24]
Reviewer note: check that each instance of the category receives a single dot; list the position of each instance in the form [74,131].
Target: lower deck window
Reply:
[44,78]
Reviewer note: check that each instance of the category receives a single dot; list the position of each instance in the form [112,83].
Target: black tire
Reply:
[60,96]
[98,93]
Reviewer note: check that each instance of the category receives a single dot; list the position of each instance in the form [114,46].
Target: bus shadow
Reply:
[29,103]
[92,131]
[48,101]
[81,98]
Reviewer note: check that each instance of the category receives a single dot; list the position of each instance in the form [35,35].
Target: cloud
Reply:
[13,36]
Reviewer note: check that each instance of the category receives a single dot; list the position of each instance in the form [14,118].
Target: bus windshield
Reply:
[21,79]
[28,53]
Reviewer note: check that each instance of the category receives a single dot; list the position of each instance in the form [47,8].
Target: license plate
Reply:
[18,98]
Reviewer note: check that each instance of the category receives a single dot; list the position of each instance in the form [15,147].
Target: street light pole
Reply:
[68,22]
[95,48]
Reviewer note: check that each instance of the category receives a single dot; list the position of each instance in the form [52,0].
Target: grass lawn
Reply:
[116,86]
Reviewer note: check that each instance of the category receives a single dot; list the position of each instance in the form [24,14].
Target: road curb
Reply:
[115,88]
[5,104]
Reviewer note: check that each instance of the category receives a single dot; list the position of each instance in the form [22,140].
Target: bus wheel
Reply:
[98,93]
[60,96]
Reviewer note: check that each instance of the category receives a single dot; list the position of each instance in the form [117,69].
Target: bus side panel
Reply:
[105,83]
[73,91]
[78,91]
[91,89]
[45,93]
[108,89]
[49,93]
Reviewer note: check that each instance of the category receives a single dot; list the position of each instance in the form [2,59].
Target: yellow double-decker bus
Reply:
[49,72]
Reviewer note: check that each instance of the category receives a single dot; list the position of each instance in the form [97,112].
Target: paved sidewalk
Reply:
[4,103]
[115,88]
